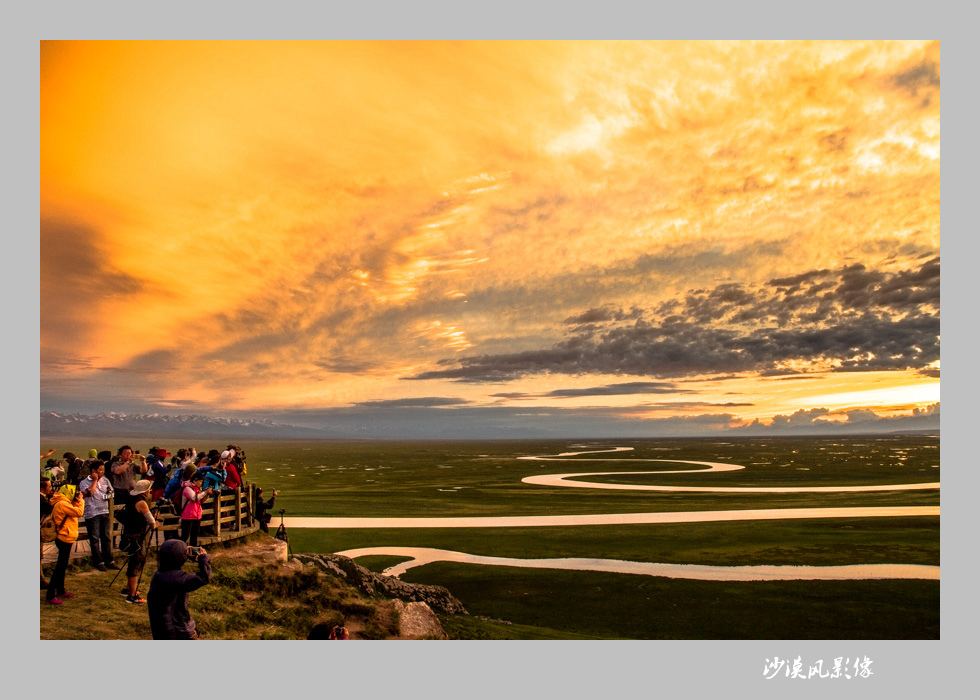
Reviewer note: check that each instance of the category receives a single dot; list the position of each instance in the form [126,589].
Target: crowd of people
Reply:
[147,488]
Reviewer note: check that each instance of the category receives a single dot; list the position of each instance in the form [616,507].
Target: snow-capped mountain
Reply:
[123,424]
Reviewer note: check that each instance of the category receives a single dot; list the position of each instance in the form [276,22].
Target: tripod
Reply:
[141,553]
[281,532]
[143,549]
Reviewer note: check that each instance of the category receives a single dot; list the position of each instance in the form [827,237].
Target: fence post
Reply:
[217,515]
[238,508]
[112,523]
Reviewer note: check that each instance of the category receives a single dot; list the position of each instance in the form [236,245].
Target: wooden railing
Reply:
[226,515]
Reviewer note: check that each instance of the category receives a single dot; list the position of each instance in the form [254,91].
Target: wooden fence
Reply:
[227,515]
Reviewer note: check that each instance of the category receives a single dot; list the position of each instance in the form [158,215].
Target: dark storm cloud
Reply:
[858,420]
[154,362]
[857,318]
[621,389]
[923,76]
[345,366]
[592,316]
[783,374]
[492,422]
[836,141]
[420,402]
[75,277]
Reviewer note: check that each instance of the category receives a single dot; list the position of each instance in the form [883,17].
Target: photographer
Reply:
[73,468]
[191,498]
[96,491]
[263,509]
[170,588]
[137,521]
[65,512]
[126,468]
[158,470]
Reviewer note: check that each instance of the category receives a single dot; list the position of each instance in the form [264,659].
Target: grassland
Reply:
[402,479]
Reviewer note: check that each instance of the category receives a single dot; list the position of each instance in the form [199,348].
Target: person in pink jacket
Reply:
[191,498]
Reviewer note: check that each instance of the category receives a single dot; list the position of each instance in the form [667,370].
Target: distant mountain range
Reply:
[359,424]
[142,425]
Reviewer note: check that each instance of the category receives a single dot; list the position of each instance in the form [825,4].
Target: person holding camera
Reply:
[96,492]
[170,589]
[263,509]
[191,498]
[137,522]
[158,470]
[66,512]
[127,467]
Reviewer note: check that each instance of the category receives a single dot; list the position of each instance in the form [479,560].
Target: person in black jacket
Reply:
[170,588]
[262,508]
[46,492]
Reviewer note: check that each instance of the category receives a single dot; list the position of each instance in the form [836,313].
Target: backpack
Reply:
[132,520]
[175,485]
[48,530]
[177,498]
[215,479]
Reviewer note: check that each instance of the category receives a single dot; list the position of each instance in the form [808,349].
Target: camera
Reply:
[193,553]
[282,511]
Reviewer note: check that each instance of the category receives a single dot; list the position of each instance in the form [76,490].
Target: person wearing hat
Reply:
[170,588]
[137,520]
[158,470]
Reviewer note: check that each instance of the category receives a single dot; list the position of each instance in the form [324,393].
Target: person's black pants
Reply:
[56,584]
[188,531]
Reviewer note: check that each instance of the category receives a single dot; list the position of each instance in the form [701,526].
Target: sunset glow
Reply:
[679,236]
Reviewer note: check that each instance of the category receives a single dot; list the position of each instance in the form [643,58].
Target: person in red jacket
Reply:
[232,479]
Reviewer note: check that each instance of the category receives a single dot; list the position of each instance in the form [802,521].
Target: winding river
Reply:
[421,555]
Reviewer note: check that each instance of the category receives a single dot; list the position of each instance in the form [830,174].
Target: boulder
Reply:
[417,621]
[375,585]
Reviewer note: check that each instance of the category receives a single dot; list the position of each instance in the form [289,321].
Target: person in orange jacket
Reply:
[66,513]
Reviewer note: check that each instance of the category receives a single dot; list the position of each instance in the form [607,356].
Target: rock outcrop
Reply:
[417,621]
[436,598]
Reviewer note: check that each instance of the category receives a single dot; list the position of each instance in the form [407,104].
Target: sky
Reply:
[492,238]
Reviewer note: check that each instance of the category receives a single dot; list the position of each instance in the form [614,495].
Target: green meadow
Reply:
[452,479]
